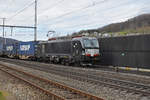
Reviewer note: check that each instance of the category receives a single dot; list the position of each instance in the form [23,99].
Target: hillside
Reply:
[139,24]
[134,23]
[8,40]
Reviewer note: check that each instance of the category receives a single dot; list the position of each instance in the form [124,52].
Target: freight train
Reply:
[77,51]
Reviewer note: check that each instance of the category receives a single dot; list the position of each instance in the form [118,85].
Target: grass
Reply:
[142,30]
[2,96]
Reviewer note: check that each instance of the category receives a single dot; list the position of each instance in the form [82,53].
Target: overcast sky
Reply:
[67,16]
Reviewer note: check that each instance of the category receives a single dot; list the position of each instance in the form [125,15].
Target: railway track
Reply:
[54,90]
[70,70]
[127,86]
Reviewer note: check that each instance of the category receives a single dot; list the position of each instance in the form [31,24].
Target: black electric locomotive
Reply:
[80,51]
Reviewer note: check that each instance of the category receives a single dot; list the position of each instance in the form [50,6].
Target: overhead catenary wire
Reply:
[17,13]
[70,12]
[86,7]
[116,16]
[52,6]
[89,6]
[20,11]
[104,14]
[102,10]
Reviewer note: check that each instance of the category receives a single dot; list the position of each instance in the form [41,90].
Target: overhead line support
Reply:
[13,26]
[35,24]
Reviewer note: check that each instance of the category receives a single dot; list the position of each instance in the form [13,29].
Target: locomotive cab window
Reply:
[90,43]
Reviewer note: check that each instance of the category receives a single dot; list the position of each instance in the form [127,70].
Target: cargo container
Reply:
[1,49]
[10,50]
[27,50]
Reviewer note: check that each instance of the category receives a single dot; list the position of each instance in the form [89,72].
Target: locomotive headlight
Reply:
[95,55]
[87,52]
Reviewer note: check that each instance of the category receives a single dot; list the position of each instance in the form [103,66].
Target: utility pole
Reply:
[3,30]
[3,41]
[12,26]
[3,26]
[35,24]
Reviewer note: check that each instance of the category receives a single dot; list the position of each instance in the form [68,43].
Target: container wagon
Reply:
[10,50]
[1,49]
[27,50]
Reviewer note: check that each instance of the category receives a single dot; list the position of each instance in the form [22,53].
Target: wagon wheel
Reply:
[77,64]
[62,62]
[67,63]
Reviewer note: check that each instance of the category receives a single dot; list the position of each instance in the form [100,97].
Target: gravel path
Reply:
[101,91]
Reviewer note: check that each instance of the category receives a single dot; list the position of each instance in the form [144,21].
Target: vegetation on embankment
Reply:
[2,97]
[142,30]
[139,24]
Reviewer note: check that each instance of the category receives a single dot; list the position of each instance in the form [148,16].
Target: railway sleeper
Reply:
[65,94]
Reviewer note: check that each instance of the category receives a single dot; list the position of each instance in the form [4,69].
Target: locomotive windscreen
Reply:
[90,43]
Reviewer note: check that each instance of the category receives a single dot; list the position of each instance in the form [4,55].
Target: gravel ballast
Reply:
[18,89]
[101,91]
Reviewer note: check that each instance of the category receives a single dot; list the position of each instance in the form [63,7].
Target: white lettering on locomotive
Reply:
[92,51]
